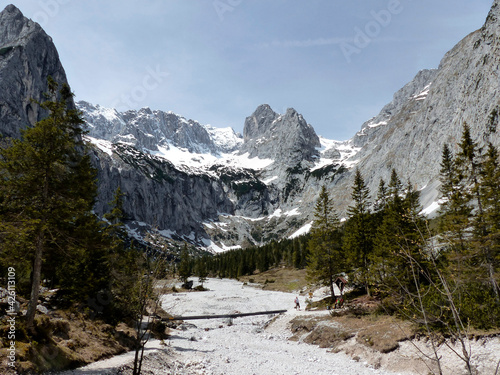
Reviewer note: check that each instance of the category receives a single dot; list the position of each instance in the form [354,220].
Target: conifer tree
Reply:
[358,238]
[298,254]
[387,220]
[116,216]
[490,193]
[468,164]
[381,201]
[395,188]
[202,270]
[461,192]
[448,176]
[184,269]
[465,226]
[398,237]
[414,226]
[47,186]
[325,259]
[455,210]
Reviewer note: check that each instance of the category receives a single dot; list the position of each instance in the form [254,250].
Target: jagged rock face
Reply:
[157,194]
[417,89]
[235,204]
[147,129]
[288,139]
[259,123]
[464,89]
[27,57]
[492,23]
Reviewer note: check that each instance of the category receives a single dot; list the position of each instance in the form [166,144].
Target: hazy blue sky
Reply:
[335,61]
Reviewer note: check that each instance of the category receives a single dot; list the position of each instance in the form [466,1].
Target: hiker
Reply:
[297,303]
[339,302]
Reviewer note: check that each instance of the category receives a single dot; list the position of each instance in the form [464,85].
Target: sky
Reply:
[337,62]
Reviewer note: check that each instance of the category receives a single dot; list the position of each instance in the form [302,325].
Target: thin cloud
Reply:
[306,43]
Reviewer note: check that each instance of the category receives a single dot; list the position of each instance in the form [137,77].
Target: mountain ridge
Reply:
[222,190]
[27,57]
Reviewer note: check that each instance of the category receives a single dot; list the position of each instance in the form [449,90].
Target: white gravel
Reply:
[248,347]
[259,345]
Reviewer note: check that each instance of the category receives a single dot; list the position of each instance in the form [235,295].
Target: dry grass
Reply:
[360,320]
[66,339]
[279,279]
[381,333]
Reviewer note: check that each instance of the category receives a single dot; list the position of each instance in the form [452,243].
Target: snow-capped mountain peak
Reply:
[148,129]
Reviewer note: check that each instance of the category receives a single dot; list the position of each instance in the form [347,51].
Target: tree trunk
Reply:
[493,280]
[332,291]
[35,285]
[367,287]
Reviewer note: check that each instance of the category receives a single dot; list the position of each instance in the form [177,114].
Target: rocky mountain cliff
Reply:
[201,182]
[148,130]
[219,189]
[287,139]
[27,58]
[464,89]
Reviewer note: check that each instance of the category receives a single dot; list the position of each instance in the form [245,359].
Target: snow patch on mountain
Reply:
[225,138]
[303,230]
[336,152]
[279,212]
[375,125]
[327,144]
[181,157]
[348,154]
[216,249]
[101,144]
[423,94]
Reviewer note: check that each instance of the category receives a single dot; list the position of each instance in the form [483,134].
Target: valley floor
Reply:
[260,344]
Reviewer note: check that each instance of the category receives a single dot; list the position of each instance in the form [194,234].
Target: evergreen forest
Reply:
[444,271]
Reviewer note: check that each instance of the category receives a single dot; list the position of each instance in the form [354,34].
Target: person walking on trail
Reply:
[297,303]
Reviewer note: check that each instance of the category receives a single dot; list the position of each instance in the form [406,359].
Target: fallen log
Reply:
[236,315]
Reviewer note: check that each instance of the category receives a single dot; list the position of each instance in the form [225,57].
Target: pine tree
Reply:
[466,183]
[388,217]
[460,192]
[116,232]
[447,173]
[414,226]
[469,163]
[455,210]
[202,270]
[325,259]
[395,188]
[358,238]
[116,216]
[398,239]
[381,201]
[48,187]
[184,269]
[490,193]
